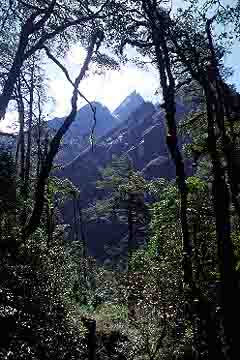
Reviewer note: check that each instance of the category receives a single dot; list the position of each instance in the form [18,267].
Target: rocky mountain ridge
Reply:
[89,127]
[84,129]
[141,137]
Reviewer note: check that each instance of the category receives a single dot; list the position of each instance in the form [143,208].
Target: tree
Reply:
[186,40]
[208,75]
[156,22]
[122,201]
[39,24]
[35,218]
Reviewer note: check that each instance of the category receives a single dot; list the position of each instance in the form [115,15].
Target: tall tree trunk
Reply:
[221,199]
[228,294]
[159,24]
[39,137]
[91,337]
[14,72]
[222,108]
[130,216]
[221,194]
[30,27]
[21,137]
[84,249]
[168,86]
[54,146]
[29,138]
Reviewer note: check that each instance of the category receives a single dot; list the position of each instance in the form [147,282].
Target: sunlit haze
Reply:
[109,88]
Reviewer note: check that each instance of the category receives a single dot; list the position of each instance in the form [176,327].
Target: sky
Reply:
[113,87]
[109,88]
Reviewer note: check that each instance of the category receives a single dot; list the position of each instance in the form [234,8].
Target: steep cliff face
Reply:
[142,138]
[128,106]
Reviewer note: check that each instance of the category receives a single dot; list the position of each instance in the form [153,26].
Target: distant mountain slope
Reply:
[84,120]
[79,133]
[128,106]
[142,138]
[78,136]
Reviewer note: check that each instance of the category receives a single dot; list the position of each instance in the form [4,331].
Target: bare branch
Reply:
[64,70]
[138,43]
[27,29]
[46,16]
[61,28]
[182,83]
[46,168]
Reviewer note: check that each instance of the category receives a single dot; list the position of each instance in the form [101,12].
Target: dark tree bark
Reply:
[24,51]
[91,337]
[159,38]
[15,69]
[21,137]
[39,137]
[221,200]
[50,221]
[221,195]
[28,28]
[222,109]
[29,136]
[210,80]
[84,246]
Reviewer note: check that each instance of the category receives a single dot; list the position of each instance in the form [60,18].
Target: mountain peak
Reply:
[128,105]
[134,93]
